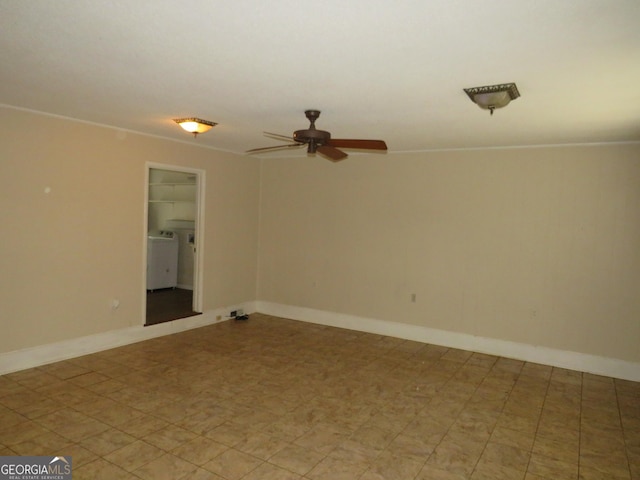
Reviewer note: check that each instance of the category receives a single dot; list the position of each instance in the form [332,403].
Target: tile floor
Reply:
[276,399]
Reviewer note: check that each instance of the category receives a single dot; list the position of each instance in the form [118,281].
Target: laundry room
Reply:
[171,242]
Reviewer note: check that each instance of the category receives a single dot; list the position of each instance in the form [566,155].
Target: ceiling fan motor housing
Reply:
[314,138]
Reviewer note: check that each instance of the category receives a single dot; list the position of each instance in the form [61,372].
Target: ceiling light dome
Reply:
[491,97]
[195,125]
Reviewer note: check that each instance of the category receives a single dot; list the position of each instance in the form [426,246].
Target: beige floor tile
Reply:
[512,458]
[34,378]
[143,425]
[531,476]
[526,424]
[72,424]
[589,473]
[29,403]
[521,406]
[256,419]
[475,424]
[392,465]
[611,462]
[21,432]
[603,413]
[323,438]
[557,432]
[173,412]
[389,422]
[563,451]
[101,469]
[562,375]
[202,474]
[482,360]
[65,369]
[166,467]
[108,386]
[46,443]
[169,437]
[278,399]
[39,408]
[512,438]
[68,394]
[134,455]
[199,450]
[455,456]
[267,471]
[109,412]
[10,387]
[536,370]
[228,433]
[355,449]
[633,456]
[430,472]
[494,471]
[455,355]
[373,437]
[10,421]
[207,413]
[261,445]
[337,467]
[629,405]
[297,459]
[87,379]
[108,441]
[232,464]
[79,454]
[548,467]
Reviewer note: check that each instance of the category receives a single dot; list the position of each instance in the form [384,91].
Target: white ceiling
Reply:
[387,69]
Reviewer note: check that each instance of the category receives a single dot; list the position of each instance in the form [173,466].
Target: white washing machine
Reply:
[162,260]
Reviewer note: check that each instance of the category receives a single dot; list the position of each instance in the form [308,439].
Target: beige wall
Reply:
[66,254]
[537,246]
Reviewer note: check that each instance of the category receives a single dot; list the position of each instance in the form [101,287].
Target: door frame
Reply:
[198,261]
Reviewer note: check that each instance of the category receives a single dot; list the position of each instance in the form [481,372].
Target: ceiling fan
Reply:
[320,141]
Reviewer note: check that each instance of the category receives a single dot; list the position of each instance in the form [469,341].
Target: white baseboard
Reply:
[54,352]
[76,347]
[582,362]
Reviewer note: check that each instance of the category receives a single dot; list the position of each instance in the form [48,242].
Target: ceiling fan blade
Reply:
[276,147]
[357,143]
[277,136]
[331,153]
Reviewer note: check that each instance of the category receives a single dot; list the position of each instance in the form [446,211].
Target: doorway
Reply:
[173,232]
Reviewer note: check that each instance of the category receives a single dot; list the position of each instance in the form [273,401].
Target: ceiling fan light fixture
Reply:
[491,97]
[195,125]
[320,141]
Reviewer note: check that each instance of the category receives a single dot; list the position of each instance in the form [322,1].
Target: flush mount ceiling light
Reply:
[493,96]
[195,125]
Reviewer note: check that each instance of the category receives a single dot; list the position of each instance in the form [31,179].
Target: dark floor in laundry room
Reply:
[169,304]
